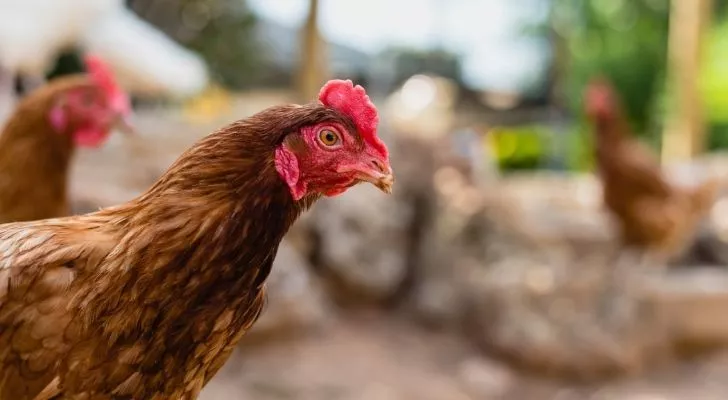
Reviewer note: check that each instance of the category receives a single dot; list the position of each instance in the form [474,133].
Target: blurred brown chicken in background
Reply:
[38,140]
[652,213]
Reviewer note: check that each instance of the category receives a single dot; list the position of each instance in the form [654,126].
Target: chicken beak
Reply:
[378,174]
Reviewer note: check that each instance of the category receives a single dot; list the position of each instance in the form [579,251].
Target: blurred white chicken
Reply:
[144,59]
[34,32]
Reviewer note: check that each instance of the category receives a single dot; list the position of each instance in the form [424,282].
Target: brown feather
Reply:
[34,158]
[148,299]
[652,214]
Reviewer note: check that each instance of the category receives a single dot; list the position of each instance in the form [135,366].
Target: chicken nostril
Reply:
[379,166]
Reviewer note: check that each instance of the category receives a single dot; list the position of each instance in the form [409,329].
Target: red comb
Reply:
[600,99]
[101,74]
[352,101]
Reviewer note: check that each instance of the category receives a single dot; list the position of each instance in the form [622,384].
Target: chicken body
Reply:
[652,214]
[34,159]
[148,299]
[35,155]
[142,301]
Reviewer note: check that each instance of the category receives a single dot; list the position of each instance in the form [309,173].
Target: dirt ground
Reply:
[381,357]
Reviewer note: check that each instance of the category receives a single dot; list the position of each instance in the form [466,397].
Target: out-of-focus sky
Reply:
[485,32]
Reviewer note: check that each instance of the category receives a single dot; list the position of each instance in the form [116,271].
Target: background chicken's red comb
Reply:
[350,100]
[600,98]
[101,74]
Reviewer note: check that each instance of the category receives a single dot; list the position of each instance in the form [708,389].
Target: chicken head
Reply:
[600,100]
[329,157]
[88,113]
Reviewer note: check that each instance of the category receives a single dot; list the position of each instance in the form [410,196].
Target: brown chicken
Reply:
[147,300]
[39,138]
[652,214]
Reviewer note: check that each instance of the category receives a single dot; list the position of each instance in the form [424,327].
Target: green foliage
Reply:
[718,136]
[579,145]
[624,40]
[714,75]
[520,148]
[714,83]
[221,31]
[225,40]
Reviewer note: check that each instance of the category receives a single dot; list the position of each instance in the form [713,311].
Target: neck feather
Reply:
[202,236]
[32,149]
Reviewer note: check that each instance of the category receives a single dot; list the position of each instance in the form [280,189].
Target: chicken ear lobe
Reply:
[57,117]
[287,167]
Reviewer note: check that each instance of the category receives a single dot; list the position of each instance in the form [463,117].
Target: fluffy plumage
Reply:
[147,300]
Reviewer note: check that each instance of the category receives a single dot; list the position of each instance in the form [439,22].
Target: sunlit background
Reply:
[490,273]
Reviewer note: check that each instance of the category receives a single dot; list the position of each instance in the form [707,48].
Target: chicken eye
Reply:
[328,137]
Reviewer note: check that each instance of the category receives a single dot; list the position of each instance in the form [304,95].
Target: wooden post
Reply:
[684,134]
[312,69]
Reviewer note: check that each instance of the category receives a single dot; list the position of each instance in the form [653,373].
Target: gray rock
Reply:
[296,302]
[695,301]
[549,290]
[470,230]
[579,317]
[362,243]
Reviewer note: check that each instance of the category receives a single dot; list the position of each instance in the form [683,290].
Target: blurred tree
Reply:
[720,7]
[222,31]
[684,133]
[312,61]
[626,41]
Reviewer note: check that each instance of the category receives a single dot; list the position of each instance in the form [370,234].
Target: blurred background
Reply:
[491,272]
